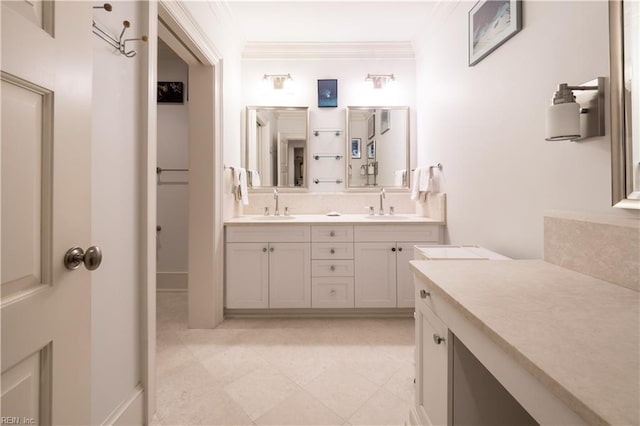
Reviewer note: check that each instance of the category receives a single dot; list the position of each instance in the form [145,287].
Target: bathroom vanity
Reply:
[320,262]
[523,342]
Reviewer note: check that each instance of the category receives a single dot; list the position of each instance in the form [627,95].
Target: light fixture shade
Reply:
[563,122]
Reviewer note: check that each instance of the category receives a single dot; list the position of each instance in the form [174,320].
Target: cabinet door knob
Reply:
[393,249]
[332,233]
[332,251]
[264,249]
[437,339]
[424,294]
[332,293]
[271,249]
[333,268]
[399,248]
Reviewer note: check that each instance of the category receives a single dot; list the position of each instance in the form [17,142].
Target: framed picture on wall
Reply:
[371,150]
[170,92]
[371,126]
[385,121]
[355,148]
[491,23]
[327,93]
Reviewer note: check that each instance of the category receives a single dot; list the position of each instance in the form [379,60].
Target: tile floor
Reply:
[282,371]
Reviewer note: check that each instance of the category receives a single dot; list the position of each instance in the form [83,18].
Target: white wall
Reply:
[486,124]
[116,141]
[352,91]
[173,187]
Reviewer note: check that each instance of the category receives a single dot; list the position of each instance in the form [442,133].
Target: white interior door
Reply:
[45,209]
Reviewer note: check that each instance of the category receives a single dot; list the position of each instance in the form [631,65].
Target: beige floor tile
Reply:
[261,390]
[207,343]
[342,390]
[401,383]
[301,408]
[232,364]
[169,357]
[373,364]
[383,408]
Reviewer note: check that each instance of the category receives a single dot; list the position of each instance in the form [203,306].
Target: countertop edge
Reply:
[324,219]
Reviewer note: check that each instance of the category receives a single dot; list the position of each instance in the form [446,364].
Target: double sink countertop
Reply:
[577,335]
[360,219]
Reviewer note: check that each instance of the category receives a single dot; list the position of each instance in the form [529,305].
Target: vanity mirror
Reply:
[275,151]
[624,38]
[377,147]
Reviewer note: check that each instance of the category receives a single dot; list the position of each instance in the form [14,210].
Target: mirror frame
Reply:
[622,191]
[348,188]
[245,154]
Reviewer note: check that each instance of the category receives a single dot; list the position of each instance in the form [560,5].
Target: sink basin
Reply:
[276,218]
[387,217]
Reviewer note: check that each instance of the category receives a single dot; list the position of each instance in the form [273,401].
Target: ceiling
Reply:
[329,20]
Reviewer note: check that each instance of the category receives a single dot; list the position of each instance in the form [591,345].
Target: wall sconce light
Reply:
[379,81]
[575,117]
[278,81]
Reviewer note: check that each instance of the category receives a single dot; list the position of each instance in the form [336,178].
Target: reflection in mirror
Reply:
[275,149]
[378,147]
[624,38]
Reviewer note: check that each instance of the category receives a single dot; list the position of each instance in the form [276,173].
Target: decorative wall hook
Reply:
[119,43]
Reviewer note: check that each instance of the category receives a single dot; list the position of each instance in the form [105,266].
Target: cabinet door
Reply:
[432,393]
[404,275]
[289,275]
[247,266]
[375,275]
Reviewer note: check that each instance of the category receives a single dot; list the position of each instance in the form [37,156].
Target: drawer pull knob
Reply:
[332,293]
[399,248]
[393,249]
[332,233]
[271,249]
[437,339]
[333,268]
[332,251]
[424,294]
[264,249]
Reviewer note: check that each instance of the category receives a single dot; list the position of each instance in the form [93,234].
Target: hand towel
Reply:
[398,177]
[420,182]
[240,185]
[255,178]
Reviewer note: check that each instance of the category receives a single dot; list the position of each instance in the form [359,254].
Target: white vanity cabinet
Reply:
[381,255]
[268,267]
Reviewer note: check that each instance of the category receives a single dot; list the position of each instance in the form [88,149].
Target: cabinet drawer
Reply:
[376,233]
[268,233]
[329,233]
[332,292]
[332,268]
[332,250]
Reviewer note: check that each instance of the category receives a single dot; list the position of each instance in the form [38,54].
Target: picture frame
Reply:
[385,121]
[170,92]
[371,150]
[327,93]
[355,148]
[371,126]
[491,24]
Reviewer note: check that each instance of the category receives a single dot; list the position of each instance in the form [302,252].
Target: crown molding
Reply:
[328,50]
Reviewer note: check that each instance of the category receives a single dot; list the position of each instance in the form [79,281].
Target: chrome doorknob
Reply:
[424,294]
[75,256]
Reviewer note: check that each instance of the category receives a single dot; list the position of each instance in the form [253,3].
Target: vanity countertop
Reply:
[358,219]
[578,335]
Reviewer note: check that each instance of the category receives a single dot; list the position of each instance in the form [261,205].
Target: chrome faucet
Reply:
[382,196]
[275,197]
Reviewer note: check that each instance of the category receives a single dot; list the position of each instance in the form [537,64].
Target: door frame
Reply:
[205,185]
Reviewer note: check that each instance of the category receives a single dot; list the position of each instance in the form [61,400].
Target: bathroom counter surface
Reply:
[577,335]
[324,219]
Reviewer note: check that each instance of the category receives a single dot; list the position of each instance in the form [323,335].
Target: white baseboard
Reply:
[130,412]
[171,281]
